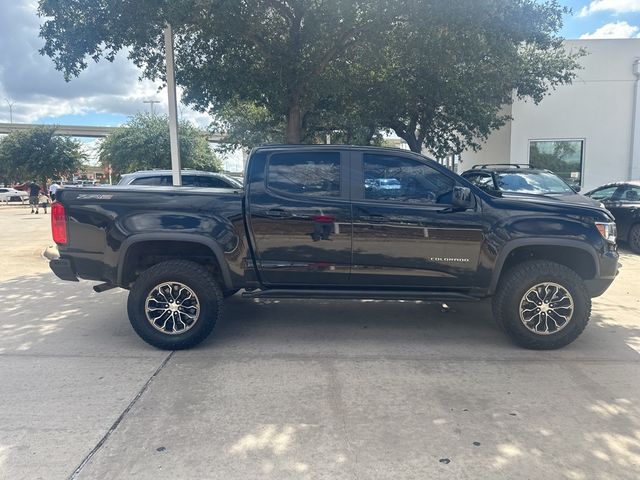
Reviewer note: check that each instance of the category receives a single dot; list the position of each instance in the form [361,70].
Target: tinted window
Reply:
[213,182]
[482,180]
[603,194]
[631,194]
[531,182]
[391,178]
[313,174]
[3,190]
[155,181]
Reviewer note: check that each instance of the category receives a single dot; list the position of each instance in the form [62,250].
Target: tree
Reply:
[435,72]
[450,67]
[39,154]
[271,53]
[143,143]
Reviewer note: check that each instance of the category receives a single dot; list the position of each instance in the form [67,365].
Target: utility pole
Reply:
[10,109]
[176,166]
[151,103]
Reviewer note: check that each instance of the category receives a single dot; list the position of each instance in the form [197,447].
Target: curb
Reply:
[51,252]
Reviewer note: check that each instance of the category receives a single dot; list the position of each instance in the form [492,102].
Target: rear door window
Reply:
[309,174]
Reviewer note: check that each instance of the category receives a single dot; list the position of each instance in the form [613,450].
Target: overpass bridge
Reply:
[84,131]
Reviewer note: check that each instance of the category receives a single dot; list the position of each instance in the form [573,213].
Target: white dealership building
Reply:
[589,132]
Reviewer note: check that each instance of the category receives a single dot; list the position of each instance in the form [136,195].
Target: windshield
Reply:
[531,182]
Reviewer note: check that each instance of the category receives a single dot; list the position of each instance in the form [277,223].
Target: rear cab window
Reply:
[312,174]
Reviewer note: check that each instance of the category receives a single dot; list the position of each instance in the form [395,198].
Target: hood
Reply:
[573,198]
[560,204]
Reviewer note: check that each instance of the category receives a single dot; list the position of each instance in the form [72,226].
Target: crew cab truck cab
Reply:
[337,222]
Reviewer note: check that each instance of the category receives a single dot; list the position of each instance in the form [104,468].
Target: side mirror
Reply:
[462,198]
[576,188]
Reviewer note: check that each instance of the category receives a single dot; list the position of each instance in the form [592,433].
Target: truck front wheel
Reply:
[542,305]
[174,305]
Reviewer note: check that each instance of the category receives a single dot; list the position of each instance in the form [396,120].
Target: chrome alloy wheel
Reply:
[546,308]
[172,308]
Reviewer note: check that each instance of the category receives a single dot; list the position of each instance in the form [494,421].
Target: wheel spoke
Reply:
[546,308]
[172,308]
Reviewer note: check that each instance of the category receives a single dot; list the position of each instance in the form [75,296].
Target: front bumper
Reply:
[63,269]
[608,270]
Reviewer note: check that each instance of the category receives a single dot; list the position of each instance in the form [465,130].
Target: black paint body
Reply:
[265,239]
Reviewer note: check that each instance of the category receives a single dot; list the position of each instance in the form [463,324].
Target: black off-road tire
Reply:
[634,238]
[194,277]
[515,284]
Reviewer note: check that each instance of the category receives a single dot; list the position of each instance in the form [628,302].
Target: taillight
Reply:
[58,223]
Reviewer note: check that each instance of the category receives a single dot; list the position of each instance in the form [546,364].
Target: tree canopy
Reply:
[435,72]
[39,154]
[143,143]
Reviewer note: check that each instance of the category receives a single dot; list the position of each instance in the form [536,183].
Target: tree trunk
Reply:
[414,145]
[294,121]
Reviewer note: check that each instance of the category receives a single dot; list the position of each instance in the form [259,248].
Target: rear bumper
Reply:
[63,269]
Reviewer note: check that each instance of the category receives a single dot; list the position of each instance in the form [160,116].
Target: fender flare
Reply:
[176,237]
[538,242]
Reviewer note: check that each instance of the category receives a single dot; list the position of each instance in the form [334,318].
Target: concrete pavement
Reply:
[306,390]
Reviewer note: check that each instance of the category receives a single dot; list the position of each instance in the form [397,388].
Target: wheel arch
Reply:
[201,242]
[571,253]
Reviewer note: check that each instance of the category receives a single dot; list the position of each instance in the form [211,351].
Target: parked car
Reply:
[622,199]
[306,227]
[190,178]
[523,180]
[8,194]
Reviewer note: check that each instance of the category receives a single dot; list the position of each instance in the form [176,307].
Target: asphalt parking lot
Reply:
[305,389]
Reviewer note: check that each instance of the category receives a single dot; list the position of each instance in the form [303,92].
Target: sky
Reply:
[108,93]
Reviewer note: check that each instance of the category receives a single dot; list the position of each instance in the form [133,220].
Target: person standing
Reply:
[53,188]
[34,196]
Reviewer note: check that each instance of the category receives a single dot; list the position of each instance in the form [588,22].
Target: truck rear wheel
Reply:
[634,238]
[542,305]
[174,305]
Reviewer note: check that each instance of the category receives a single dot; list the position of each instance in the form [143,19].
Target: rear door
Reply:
[300,218]
[405,231]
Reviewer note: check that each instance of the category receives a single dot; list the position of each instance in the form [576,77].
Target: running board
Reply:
[361,295]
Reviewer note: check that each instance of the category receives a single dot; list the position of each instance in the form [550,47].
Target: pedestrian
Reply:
[53,188]
[44,201]
[34,193]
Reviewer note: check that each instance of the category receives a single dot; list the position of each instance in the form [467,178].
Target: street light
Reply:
[10,109]
[151,103]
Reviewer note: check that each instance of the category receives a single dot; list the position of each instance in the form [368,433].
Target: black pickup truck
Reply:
[337,222]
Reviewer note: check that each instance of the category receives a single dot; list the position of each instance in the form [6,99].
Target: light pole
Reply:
[176,167]
[10,109]
[151,103]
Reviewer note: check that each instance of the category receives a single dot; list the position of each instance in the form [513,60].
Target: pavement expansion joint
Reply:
[119,420]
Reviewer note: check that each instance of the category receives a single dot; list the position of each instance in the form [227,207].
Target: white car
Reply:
[12,195]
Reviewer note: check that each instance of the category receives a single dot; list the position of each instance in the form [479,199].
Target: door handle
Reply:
[277,213]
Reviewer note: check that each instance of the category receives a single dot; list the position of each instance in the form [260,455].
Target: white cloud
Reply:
[38,90]
[615,6]
[614,30]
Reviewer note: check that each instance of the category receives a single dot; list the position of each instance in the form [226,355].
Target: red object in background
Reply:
[323,219]
[58,223]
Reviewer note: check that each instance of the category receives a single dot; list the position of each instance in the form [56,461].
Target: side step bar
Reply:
[361,295]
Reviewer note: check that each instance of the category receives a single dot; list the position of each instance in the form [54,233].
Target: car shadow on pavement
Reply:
[571,413]
[34,309]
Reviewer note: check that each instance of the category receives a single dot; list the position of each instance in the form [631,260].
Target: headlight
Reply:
[608,231]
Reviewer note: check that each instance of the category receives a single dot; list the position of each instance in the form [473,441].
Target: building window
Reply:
[562,157]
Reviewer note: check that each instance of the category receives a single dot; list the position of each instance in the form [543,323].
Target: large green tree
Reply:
[435,72]
[39,154]
[143,143]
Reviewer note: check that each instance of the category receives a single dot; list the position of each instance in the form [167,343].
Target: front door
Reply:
[405,231]
[300,219]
